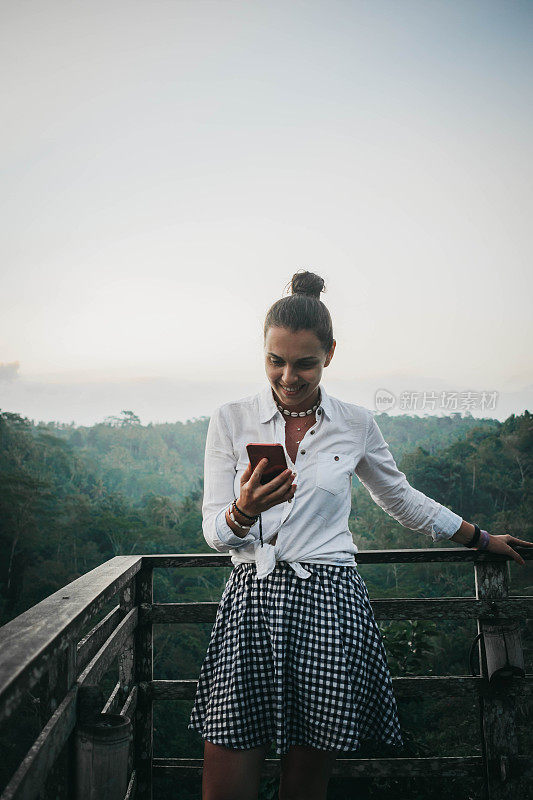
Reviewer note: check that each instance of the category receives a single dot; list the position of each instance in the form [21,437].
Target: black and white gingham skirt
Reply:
[296,661]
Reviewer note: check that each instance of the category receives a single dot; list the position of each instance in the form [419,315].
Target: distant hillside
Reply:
[168,458]
[72,497]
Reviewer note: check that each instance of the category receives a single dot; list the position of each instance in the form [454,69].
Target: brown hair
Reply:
[303,309]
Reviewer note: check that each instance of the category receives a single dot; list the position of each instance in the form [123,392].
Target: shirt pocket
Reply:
[333,471]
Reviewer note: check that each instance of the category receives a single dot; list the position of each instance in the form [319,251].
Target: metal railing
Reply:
[45,652]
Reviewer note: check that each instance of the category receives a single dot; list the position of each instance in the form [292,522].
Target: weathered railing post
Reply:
[143,679]
[54,686]
[126,660]
[498,705]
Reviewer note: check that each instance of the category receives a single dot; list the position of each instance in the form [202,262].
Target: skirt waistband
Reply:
[286,566]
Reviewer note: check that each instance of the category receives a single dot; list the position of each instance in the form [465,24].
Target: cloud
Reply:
[9,372]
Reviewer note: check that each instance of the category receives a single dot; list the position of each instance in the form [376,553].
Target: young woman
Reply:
[295,654]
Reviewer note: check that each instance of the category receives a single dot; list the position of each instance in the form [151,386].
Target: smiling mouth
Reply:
[291,391]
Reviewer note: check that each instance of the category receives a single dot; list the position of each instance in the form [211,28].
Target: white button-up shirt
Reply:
[314,527]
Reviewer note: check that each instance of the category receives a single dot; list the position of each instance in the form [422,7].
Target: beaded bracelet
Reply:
[238,524]
[256,517]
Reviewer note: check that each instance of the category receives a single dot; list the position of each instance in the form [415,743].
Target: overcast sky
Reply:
[166,167]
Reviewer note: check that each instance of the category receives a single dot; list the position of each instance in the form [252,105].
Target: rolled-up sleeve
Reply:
[390,489]
[219,475]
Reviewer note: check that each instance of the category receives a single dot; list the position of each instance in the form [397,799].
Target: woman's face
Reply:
[295,361]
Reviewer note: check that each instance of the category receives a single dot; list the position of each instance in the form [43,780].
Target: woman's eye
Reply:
[279,363]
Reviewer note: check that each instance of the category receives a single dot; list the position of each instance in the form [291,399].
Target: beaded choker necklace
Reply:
[300,413]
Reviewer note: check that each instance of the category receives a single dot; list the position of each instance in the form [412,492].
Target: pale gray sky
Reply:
[167,166]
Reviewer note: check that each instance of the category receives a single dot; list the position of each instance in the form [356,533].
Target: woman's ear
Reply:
[330,354]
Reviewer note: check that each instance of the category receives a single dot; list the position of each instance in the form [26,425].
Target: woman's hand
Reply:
[504,544]
[256,497]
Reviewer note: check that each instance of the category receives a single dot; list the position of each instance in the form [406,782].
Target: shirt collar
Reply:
[268,407]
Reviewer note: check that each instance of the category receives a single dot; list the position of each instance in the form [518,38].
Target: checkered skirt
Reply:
[295,661]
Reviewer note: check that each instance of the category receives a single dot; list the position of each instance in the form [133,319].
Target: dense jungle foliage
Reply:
[72,497]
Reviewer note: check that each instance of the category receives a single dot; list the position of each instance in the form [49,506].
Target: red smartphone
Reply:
[277,463]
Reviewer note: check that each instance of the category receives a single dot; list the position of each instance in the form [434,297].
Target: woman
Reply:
[295,654]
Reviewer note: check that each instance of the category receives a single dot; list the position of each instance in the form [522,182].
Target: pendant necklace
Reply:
[298,440]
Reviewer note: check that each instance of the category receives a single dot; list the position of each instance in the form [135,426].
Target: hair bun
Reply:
[304,282]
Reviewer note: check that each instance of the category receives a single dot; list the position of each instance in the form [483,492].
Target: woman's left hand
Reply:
[504,544]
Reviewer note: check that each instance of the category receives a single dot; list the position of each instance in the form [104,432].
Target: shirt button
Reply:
[302,452]
[312,433]
[319,411]
[336,458]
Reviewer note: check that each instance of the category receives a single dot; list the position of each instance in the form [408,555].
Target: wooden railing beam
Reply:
[92,642]
[419,687]
[113,701]
[462,608]
[31,642]
[132,787]
[421,555]
[100,663]
[441,767]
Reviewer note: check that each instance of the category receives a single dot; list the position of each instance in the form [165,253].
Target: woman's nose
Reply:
[289,377]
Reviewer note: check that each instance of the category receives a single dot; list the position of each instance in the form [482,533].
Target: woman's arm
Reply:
[219,476]
[465,533]
[390,489]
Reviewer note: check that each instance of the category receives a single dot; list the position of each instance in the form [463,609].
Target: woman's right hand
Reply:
[256,497]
